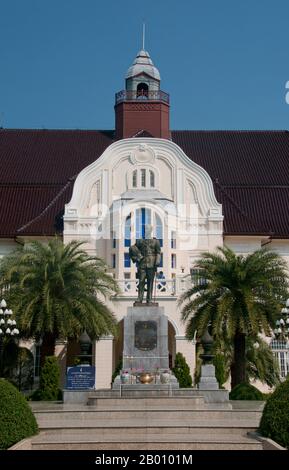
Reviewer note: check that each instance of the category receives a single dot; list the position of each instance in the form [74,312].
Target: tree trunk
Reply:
[238,368]
[47,347]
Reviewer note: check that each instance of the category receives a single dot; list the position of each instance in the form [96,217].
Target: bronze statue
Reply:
[147,256]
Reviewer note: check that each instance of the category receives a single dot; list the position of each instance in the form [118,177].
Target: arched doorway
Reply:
[142,90]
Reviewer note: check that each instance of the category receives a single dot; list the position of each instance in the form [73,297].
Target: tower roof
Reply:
[143,64]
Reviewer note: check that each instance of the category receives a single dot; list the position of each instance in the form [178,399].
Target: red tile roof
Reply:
[250,171]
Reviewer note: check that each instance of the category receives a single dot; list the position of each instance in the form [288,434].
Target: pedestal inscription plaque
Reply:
[146,335]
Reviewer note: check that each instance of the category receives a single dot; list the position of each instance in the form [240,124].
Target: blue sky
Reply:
[224,62]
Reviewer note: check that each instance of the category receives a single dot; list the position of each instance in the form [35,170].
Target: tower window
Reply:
[142,90]
[143,178]
[134,179]
[152,179]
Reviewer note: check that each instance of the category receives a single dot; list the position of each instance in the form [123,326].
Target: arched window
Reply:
[159,229]
[142,90]
[127,231]
[143,178]
[142,218]
[134,179]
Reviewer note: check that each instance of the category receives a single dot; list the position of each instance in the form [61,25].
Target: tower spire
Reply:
[143,35]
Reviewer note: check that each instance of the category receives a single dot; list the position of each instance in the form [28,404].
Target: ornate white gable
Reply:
[175,173]
[151,175]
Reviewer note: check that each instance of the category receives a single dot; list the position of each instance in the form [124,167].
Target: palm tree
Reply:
[235,296]
[261,363]
[57,291]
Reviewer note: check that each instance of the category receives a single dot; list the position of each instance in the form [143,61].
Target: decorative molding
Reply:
[108,337]
[142,154]
[152,150]
[144,106]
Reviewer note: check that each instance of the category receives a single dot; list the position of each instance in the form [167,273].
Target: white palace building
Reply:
[198,189]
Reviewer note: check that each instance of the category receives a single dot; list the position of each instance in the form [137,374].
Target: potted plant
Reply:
[165,377]
[125,376]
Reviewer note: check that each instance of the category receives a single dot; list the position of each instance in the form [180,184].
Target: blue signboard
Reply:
[80,378]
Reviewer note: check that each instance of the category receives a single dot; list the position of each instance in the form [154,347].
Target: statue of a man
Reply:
[147,256]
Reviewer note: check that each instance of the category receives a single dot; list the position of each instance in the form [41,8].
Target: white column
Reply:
[188,350]
[103,359]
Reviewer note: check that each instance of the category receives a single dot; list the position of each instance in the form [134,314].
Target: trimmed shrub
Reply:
[182,371]
[221,368]
[275,418]
[49,381]
[16,418]
[245,391]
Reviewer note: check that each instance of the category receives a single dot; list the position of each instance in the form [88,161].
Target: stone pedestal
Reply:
[208,379]
[145,346]
[145,343]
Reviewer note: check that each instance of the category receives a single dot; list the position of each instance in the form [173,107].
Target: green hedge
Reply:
[275,418]
[182,371]
[49,381]
[16,418]
[245,391]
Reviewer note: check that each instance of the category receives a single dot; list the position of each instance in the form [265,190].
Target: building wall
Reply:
[182,195]
[7,245]
[245,245]
[132,117]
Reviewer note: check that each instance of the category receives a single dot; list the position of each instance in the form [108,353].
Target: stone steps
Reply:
[126,402]
[129,429]
[172,423]
[157,415]
[145,442]
[143,391]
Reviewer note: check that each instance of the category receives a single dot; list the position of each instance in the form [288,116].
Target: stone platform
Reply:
[145,391]
[145,348]
[147,423]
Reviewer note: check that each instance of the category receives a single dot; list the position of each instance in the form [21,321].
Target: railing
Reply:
[141,95]
[162,287]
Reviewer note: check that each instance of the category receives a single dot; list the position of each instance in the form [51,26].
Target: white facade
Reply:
[151,177]
[138,181]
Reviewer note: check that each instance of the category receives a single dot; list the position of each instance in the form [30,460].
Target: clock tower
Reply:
[142,108]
